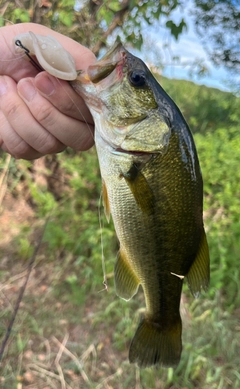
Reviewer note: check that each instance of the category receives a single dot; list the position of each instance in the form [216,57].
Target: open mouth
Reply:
[133,152]
[113,60]
[98,72]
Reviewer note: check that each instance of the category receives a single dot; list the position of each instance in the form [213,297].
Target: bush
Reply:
[219,154]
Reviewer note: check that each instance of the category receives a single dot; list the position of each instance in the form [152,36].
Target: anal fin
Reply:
[126,281]
[198,276]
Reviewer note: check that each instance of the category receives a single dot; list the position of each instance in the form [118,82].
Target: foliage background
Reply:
[67,334]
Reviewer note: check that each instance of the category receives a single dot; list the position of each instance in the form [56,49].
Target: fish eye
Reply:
[137,78]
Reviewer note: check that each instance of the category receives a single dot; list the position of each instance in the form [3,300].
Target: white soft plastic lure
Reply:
[50,54]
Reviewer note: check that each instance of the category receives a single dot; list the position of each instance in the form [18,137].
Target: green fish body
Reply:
[152,187]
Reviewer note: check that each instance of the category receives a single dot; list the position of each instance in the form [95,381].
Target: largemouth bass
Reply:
[152,186]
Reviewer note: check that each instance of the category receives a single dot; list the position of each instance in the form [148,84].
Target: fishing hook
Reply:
[27,52]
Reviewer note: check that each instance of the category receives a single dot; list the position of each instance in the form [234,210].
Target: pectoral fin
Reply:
[126,282]
[105,201]
[199,274]
[140,189]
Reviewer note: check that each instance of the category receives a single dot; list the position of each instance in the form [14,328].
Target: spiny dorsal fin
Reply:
[198,276]
[105,201]
[140,189]
[126,281]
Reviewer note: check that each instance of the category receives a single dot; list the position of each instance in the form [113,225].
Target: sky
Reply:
[160,47]
[188,48]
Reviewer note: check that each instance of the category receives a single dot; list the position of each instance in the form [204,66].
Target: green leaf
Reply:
[175,29]
[67,3]
[136,40]
[105,14]
[132,4]
[21,15]
[114,5]
[66,18]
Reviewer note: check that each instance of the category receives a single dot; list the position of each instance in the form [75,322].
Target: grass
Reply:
[59,343]
[71,332]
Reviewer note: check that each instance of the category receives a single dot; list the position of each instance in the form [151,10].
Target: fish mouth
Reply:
[135,153]
[99,72]
[115,50]
[111,64]
[107,64]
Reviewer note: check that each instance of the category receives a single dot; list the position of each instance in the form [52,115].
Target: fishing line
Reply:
[32,260]
[102,245]
[78,109]
[39,68]
[35,64]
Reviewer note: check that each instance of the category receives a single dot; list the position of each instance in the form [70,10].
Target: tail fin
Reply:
[154,344]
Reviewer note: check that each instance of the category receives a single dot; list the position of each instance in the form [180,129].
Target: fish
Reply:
[152,188]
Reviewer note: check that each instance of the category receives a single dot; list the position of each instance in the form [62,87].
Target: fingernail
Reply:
[27,89]
[3,87]
[44,84]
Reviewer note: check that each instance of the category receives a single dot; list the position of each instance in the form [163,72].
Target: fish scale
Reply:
[152,186]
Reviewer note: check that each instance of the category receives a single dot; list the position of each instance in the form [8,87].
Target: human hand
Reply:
[40,114]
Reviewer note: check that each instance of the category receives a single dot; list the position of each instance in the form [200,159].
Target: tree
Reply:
[218,24]
[91,22]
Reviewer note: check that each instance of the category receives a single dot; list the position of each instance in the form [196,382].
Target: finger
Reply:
[13,144]
[69,131]
[13,64]
[24,124]
[63,97]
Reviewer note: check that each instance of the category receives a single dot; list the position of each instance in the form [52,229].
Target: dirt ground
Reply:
[53,343]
